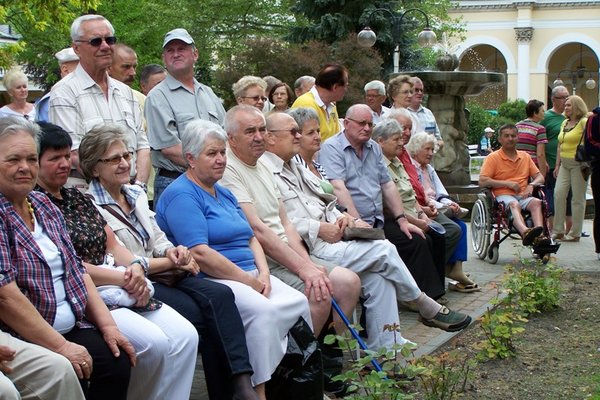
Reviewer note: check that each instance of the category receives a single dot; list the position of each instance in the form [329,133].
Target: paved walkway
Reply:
[574,256]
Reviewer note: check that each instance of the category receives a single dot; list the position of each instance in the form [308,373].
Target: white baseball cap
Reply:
[66,55]
[488,130]
[178,34]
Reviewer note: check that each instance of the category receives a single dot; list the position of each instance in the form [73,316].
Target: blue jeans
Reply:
[160,184]
[211,308]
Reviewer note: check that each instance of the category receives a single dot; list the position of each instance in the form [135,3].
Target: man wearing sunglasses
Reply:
[89,97]
[173,103]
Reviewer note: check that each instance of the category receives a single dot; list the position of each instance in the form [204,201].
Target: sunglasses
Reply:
[256,98]
[116,160]
[97,41]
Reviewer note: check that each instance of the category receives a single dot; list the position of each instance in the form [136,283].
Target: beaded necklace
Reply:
[31,213]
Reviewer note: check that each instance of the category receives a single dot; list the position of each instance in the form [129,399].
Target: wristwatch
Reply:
[401,215]
[143,261]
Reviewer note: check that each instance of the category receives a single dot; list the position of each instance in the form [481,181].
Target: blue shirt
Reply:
[190,216]
[363,177]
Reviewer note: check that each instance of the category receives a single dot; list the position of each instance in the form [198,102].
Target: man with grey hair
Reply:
[374,98]
[423,116]
[552,121]
[354,164]
[89,97]
[67,62]
[303,84]
[173,103]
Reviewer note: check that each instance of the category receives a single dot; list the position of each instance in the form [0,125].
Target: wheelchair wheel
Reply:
[493,252]
[480,228]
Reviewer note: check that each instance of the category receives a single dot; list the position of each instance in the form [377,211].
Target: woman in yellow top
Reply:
[568,171]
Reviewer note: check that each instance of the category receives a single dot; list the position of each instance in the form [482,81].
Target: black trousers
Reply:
[110,374]
[417,254]
[210,307]
[595,182]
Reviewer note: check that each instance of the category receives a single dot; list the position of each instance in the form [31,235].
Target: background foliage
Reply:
[510,112]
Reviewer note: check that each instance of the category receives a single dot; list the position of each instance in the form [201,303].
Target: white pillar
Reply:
[524,36]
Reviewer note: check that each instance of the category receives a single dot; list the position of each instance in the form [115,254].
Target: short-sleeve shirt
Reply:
[402,181]
[499,167]
[84,224]
[256,185]
[426,121]
[22,260]
[531,134]
[552,122]
[190,216]
[363,177]
[569,139]
[169,107]
[78,104]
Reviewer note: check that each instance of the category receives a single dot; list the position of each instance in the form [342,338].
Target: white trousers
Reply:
[267,322]
[166,345]
[37,374]
[384,277]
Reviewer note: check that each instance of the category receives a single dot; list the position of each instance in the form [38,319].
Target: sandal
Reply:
[463,288]
[530,234]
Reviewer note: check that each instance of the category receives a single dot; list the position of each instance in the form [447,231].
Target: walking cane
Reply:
[354,333]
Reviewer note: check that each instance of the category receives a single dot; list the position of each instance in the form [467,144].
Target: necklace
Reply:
[31,213]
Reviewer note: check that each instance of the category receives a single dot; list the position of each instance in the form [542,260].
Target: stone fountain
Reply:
[446,92]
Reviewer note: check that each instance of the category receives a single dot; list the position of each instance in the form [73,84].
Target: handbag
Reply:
[363,234]
[580,153]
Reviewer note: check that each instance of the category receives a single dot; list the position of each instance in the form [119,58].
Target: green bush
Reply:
[479,118]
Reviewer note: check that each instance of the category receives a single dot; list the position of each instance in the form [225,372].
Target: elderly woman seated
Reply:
[421,148]
[103,159]
[250,90]
[46,295]
[197,212]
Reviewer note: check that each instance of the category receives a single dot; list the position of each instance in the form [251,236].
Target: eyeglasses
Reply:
[255,98]
[418,90]
[293,131]
[362,123]
[97,41]
[115,160]
[560,97]
[405,92]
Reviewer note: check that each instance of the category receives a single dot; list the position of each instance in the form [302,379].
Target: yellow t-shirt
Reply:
[569,140]
[329,124]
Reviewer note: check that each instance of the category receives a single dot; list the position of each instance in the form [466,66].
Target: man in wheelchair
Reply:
[512,176]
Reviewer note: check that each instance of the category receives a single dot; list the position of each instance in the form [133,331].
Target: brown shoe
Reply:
[530,234]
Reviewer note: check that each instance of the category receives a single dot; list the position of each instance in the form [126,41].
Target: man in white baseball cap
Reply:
[67,62]
[485,144]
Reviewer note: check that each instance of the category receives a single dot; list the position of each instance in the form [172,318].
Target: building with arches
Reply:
[533,42]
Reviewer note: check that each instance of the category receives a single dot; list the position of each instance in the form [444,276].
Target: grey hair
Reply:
[394,113]
[557,89]
[302,115]
[232,125]
[195,134]
[12,125]
[304,78]
[386,129]
[76,25]
[239,88]
[418,141]
[95,143]
[376,85]
[12,77]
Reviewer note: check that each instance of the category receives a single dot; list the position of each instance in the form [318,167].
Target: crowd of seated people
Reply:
[247,236]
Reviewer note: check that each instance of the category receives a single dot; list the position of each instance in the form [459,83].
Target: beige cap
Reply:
[66,55]
[178,34]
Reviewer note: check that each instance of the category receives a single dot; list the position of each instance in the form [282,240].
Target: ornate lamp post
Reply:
[367,38]
[578,73]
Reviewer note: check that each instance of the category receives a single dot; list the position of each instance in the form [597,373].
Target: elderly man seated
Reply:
[512,176]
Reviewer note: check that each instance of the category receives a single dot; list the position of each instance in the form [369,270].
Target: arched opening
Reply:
[484,57]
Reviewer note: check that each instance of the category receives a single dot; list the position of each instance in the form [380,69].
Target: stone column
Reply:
[524,36]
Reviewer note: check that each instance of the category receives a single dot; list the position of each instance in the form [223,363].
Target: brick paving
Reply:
[573,256]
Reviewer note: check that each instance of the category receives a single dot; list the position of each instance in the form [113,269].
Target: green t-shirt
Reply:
[552,122]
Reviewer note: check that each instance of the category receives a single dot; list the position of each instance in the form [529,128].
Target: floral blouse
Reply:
[84,223]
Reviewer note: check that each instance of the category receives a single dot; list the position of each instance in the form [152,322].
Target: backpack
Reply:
[591,138]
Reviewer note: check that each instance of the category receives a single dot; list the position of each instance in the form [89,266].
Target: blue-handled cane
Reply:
[354,333]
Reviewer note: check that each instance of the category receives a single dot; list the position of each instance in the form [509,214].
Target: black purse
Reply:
[580,153]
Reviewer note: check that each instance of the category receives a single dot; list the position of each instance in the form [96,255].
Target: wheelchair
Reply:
[490,217]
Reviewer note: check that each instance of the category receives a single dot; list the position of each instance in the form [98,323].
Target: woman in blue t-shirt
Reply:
[196,212]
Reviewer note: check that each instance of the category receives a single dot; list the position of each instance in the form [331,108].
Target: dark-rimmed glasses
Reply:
[97,41]
[115,160]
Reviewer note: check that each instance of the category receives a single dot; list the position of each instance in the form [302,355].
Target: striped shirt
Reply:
[530,135]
